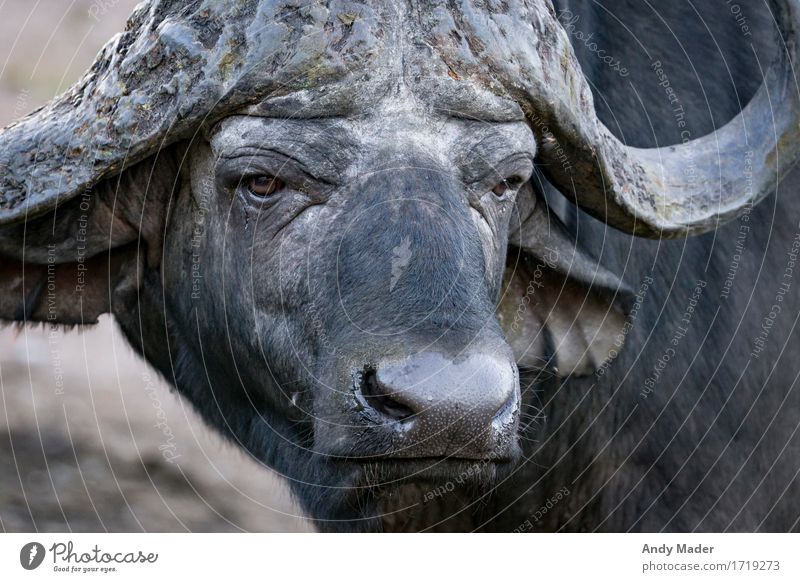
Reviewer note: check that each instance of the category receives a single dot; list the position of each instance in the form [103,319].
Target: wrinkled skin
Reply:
[281,298]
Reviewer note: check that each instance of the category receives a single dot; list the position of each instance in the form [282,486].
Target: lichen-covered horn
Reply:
[182,63]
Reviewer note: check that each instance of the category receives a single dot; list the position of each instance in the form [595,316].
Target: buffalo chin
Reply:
[425,494]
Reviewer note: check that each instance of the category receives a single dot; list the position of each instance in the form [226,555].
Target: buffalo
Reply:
[369,242]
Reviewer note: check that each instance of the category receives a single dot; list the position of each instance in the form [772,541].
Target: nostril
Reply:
[379,397]
[506,412]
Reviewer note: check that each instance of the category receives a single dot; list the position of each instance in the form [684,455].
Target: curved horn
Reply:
[149,89]
[670,191]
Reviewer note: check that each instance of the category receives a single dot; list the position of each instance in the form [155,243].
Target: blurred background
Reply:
[91,439]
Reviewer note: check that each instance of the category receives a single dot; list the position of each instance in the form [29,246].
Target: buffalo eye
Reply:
[501,188]
[264,186]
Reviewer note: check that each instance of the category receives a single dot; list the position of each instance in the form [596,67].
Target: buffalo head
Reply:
[320,224]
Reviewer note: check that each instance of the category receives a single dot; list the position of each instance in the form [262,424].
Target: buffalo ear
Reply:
[76,261]
[72,293]
[560,309]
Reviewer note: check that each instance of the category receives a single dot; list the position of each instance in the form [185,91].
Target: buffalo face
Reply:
[353,264]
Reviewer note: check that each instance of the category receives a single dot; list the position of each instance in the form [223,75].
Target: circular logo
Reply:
[31,555]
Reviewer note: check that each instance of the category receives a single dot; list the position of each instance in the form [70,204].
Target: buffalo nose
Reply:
[464,407]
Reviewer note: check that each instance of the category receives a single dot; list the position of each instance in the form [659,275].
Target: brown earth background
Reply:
[90,438]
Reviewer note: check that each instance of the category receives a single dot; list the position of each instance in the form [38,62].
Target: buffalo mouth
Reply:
[408,457]
[421,494]
[386,474]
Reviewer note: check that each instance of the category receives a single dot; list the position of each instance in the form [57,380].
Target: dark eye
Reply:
[501,188]
[263,186]
[508,184]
